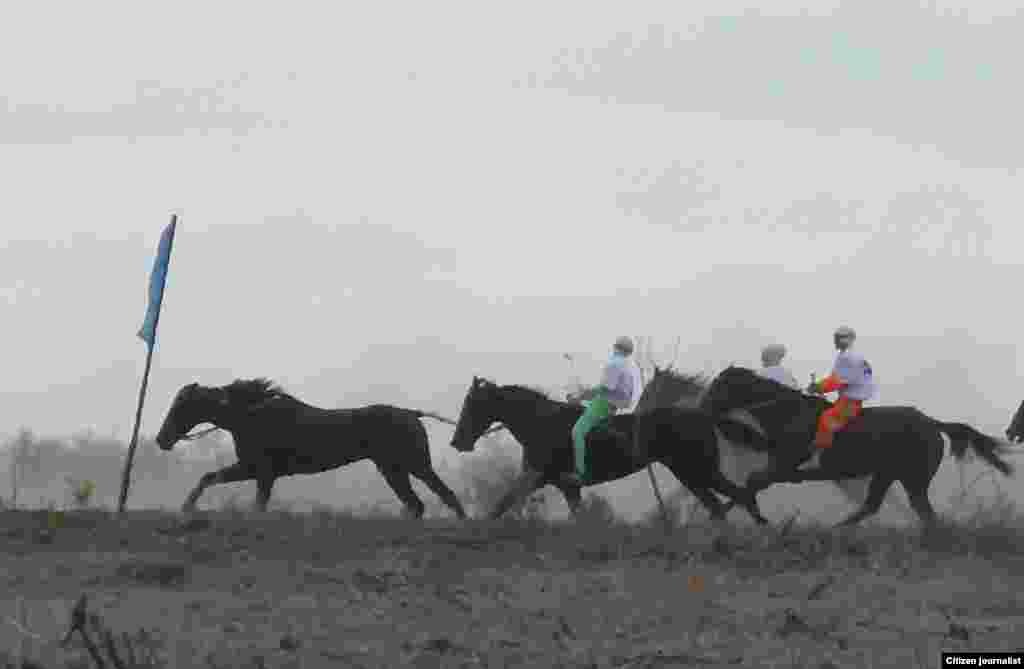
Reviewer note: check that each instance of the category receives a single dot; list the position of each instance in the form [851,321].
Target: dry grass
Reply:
[232,588]
[279,589]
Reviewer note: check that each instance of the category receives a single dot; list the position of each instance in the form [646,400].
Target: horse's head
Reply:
[1015,433]
[477,414]
[736,388]
[668,387]
[194,404]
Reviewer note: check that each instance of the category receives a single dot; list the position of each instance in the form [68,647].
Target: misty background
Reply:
[379,203]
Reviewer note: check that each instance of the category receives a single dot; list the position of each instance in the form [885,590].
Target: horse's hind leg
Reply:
[230,474]
[876,493]
[917,495]
[398,479]
[441,489]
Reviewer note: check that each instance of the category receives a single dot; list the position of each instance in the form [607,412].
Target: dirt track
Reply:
[319,589]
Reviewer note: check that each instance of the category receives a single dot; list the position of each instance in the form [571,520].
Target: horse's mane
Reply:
[695,379]
[672,386]
[695,382]
[792,393]
[538,393]
[253,391]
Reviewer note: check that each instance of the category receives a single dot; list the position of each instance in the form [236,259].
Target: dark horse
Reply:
[276,435]
[893,443]
[683,440]
[1015,433]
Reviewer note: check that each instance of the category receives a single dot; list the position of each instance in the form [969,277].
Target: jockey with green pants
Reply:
[619,388]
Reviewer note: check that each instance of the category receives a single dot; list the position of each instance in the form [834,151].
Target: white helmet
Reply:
[624,344]
[845,331]
[772,354]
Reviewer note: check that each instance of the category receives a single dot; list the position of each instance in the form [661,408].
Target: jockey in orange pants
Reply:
[852,377]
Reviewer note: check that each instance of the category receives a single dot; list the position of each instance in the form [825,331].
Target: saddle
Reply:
[607,430]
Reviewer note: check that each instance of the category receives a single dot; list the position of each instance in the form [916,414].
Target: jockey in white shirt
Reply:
[853,378]
[771,359]
[618,391]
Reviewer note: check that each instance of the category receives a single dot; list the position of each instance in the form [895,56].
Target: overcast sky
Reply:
[379,203]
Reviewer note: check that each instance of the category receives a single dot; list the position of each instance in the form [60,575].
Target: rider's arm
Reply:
[831,383]
[611,377]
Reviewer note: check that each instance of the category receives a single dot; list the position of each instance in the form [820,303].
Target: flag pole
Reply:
[148,333]
[126,473]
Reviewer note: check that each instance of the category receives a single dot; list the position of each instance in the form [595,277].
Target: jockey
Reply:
[771,359]
[852,377]
[618,391]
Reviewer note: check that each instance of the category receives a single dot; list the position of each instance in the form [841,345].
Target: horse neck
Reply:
[245,414]
[776,417]
[519,409]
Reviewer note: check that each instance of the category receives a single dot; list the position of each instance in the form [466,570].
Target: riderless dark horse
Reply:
[683,440]
[891,443]
[277,435]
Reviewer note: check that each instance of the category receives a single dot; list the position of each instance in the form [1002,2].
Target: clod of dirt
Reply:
[959,632]
[793,624]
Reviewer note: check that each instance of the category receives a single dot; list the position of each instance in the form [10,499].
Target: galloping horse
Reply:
[277,435]
[669,387]
[683,440]
[893,443]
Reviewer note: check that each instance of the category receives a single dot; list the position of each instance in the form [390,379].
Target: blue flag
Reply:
[157,279]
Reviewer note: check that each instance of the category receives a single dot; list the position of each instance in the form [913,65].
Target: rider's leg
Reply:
[592,415]
[832,420]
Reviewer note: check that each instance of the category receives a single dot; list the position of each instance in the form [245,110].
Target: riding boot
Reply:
[821,442]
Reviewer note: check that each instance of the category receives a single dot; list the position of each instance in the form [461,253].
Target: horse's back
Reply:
[890,409]
[893,412]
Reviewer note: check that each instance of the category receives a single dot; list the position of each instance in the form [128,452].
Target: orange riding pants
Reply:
[834,419]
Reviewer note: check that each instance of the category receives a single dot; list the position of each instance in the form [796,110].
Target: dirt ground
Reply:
[279,589]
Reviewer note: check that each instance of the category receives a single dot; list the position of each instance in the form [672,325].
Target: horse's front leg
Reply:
[526,483]
[230,474]
[573,497]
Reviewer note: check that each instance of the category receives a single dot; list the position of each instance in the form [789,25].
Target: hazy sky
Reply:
[379,203]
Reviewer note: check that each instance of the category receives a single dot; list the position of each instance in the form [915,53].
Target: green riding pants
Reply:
[599,411]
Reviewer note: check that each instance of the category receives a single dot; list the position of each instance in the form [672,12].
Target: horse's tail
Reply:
[743,434]
[988,448]
[439,417]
